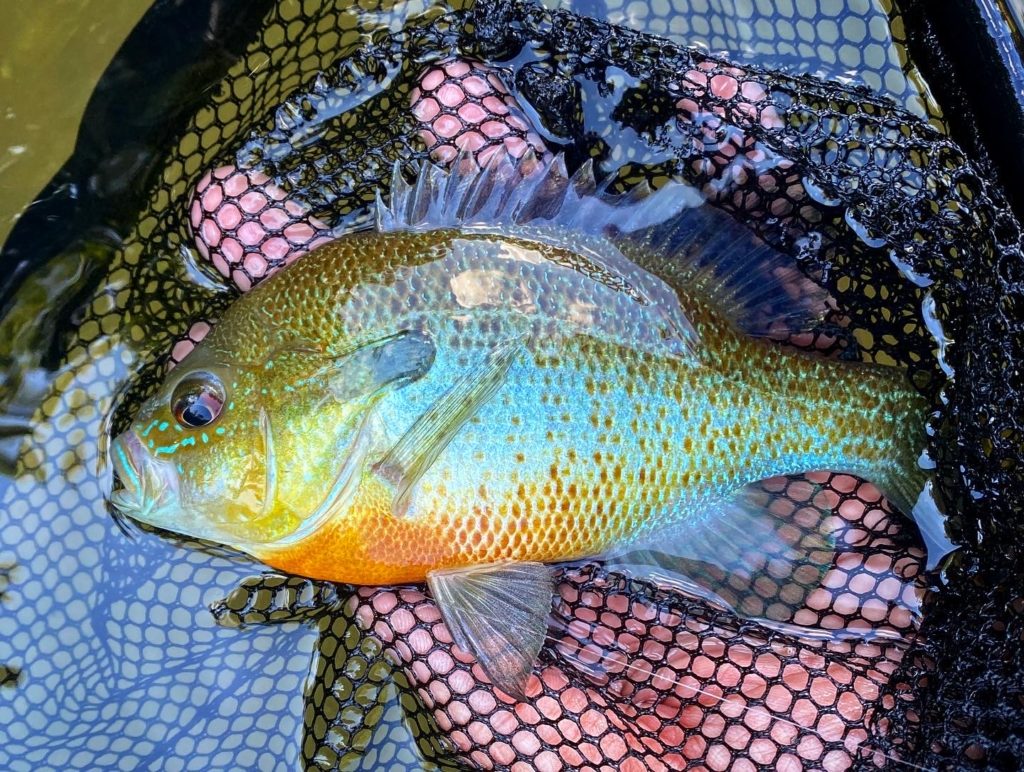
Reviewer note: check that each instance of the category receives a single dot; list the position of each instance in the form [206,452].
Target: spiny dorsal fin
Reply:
[692,244]
[526,191]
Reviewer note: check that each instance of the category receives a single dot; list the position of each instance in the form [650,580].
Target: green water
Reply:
[52,53]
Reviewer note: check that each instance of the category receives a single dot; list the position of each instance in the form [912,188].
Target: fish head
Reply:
[192,460]
[249,455]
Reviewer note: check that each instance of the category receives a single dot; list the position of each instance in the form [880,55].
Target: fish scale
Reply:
[474,391]
[644,439]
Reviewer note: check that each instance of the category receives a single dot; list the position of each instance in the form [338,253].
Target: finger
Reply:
[248,227]
[463,106]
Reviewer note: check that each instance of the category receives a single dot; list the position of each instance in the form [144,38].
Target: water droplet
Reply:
[934,325]
[861,230]
[931,521]
[905,268]
[817,193]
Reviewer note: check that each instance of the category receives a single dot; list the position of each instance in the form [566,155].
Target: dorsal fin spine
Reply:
[709,250]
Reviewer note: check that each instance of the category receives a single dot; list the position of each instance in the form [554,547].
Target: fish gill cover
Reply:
[122,663]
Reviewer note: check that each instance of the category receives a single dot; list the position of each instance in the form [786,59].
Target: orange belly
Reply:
[371,546]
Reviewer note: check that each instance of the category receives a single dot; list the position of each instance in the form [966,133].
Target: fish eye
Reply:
[198,400]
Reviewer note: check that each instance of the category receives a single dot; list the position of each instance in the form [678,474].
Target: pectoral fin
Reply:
[357,372]
[417,449]
[498,612]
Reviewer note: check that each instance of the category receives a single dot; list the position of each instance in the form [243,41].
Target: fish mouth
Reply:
[149,489]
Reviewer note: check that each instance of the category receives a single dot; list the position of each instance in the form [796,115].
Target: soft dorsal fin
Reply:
[672,232]
[499,612]
[758,288]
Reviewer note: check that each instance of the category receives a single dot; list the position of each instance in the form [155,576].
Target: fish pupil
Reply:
[199,413]
[198,401]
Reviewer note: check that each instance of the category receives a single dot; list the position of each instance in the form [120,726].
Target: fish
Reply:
[513,370]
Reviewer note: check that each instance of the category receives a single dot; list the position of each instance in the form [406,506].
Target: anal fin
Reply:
[755,553]
[499,612]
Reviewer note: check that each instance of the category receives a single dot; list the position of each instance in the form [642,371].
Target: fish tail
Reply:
[912,489]
[903,486]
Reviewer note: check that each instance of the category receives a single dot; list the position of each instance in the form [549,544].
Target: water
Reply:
[121,663]
[53,55]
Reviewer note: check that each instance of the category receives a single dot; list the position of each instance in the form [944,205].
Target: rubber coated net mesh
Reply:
[115,658]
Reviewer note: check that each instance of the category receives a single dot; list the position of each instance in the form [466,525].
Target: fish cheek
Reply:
[220,476]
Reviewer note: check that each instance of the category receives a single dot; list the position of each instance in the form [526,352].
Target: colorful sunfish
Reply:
[513,369]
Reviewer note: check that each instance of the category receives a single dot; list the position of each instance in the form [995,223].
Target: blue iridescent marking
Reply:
[168,449]
[127,470]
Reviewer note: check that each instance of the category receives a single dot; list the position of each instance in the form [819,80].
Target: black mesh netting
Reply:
[911,238]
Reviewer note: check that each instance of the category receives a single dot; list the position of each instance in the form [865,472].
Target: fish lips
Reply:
[149,491]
